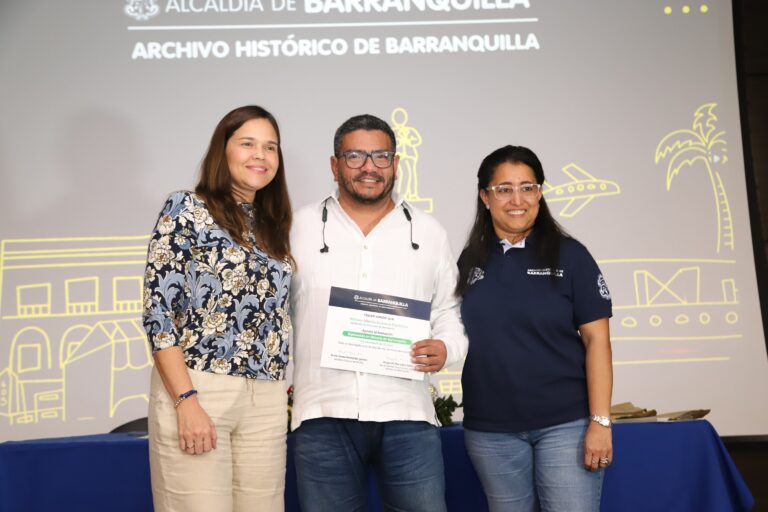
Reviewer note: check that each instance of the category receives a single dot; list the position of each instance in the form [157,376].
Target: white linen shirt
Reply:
[382,262]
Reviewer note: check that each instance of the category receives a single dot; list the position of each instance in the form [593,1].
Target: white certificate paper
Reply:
[373,333]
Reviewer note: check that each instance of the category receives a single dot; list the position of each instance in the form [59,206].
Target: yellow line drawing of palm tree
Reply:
[705,145]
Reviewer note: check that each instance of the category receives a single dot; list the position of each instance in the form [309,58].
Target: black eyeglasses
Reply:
[381,158]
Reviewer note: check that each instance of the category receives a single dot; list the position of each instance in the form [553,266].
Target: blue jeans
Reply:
[535,470]
[333,455]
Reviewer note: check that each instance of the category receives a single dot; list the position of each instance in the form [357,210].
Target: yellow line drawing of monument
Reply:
[704,145]
[581,190]
[408,142]
[79,298]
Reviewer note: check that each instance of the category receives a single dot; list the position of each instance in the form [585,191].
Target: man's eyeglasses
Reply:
[356,159]
[505,192]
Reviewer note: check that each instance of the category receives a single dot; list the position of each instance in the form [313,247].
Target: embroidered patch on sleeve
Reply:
[603,288]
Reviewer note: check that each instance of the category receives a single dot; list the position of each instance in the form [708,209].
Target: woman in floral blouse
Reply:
[216,315]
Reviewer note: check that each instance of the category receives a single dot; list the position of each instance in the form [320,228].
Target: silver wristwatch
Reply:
[602,420]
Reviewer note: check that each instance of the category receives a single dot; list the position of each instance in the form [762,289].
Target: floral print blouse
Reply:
[226,306]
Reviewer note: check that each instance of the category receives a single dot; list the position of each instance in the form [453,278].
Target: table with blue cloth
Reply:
[680,466]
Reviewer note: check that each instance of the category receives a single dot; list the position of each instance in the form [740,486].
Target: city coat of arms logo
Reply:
[141,10]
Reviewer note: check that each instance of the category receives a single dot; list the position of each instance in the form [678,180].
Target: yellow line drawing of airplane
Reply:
[580,191]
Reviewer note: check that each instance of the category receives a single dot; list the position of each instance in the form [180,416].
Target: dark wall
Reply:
[750,22]
[750,18]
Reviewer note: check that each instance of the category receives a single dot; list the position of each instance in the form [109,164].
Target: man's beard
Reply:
[364,199]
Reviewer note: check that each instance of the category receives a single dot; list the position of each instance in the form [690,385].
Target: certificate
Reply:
[373,333]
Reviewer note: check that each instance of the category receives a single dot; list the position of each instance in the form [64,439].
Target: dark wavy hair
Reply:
[272,205]
[482,237]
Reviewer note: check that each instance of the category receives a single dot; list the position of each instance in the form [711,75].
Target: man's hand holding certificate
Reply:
[429,355]
[381,334]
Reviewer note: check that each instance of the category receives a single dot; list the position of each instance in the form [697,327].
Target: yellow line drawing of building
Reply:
[111,352]
[71,339]
[408,142]
[126,294]
[33,384]
[33,300]
[63,256]
[579,191]
[702,144]
[80,299]
[449,382]
[89,303]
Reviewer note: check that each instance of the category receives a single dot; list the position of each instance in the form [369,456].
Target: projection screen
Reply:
[632,106]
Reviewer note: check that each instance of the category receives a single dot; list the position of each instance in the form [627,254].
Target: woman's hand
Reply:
[197,434]
[598,447]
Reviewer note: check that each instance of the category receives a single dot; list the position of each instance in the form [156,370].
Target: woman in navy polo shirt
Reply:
[537,379]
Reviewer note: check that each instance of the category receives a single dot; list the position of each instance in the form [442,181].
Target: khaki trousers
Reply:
[246,472]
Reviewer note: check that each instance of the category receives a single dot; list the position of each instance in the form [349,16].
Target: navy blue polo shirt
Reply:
[525,368]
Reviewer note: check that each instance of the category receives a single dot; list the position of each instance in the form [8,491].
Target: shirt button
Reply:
[365,247]
[365,275]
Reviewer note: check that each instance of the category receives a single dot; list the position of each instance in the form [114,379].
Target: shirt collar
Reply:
[248,209]
[506,245]
[397,198]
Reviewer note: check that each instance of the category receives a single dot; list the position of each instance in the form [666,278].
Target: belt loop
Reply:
[252,390]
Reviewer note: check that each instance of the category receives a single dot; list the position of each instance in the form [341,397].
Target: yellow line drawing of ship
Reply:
[581,190]
[680,309]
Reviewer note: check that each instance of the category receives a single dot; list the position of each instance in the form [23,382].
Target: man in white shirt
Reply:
[364,238]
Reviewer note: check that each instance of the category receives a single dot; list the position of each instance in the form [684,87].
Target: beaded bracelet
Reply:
[183,397]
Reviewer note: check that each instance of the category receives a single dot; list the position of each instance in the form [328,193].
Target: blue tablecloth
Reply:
[658,467]
[672,466]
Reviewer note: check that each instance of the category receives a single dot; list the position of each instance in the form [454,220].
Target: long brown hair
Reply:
[272,205]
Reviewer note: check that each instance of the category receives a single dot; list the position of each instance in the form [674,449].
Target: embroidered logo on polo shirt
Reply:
[475,275]
[544,272]
[603,288]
